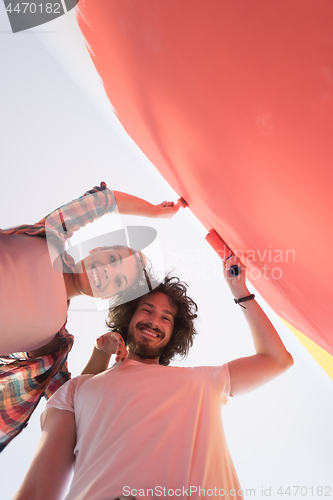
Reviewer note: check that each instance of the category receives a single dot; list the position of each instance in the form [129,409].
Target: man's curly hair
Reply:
[183,333]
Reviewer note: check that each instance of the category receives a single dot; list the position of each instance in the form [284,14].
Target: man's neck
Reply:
[148,361]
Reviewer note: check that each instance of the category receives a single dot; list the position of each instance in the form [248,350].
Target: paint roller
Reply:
[222,249]
[182,202]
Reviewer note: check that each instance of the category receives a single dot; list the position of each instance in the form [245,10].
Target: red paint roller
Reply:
[182,202]
[222,249]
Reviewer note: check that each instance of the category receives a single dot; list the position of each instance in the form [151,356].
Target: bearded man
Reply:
[144,428]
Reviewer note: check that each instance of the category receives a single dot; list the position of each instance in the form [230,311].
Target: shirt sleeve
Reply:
[223,380]
[91,206]
[64,397]
[219,378]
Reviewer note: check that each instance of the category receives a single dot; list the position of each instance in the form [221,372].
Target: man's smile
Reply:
[148,332]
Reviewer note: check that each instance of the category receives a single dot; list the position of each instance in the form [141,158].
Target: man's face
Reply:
[151,326]
[106,272]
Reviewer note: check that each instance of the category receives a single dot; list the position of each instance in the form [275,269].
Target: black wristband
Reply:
[244,299]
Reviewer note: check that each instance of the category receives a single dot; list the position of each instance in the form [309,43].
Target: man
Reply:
[143,428]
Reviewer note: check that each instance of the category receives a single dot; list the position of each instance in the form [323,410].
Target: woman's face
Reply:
[106,271]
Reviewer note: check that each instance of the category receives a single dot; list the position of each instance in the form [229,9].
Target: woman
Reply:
[34,295]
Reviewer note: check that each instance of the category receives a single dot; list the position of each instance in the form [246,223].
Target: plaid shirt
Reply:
[24,380]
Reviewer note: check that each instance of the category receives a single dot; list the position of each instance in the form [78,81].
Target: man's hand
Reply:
[112,343]
[237,284]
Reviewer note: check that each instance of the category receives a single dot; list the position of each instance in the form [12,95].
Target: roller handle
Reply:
[222,249]
[234,270]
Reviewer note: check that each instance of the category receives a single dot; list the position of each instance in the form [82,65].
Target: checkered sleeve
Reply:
[25,380]
[76,214]
[67,219]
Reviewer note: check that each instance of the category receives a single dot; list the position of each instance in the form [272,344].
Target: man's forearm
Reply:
[271,358]
[43,483]
[266,339]
[51,467]
[98,362]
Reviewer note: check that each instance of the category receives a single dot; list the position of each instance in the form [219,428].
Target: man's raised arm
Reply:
[50,470]
[271,358]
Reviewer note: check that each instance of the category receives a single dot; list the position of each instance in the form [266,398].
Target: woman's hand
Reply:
[237,284]
[112,343]
[168,209]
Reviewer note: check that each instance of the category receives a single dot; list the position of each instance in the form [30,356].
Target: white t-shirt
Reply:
[33,299]
[142,428]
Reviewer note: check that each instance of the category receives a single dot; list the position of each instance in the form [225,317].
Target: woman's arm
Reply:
[99,201]
[131,205]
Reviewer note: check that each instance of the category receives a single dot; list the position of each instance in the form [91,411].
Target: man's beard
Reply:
[142,348]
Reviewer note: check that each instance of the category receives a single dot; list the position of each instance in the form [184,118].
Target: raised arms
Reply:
[271,358]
